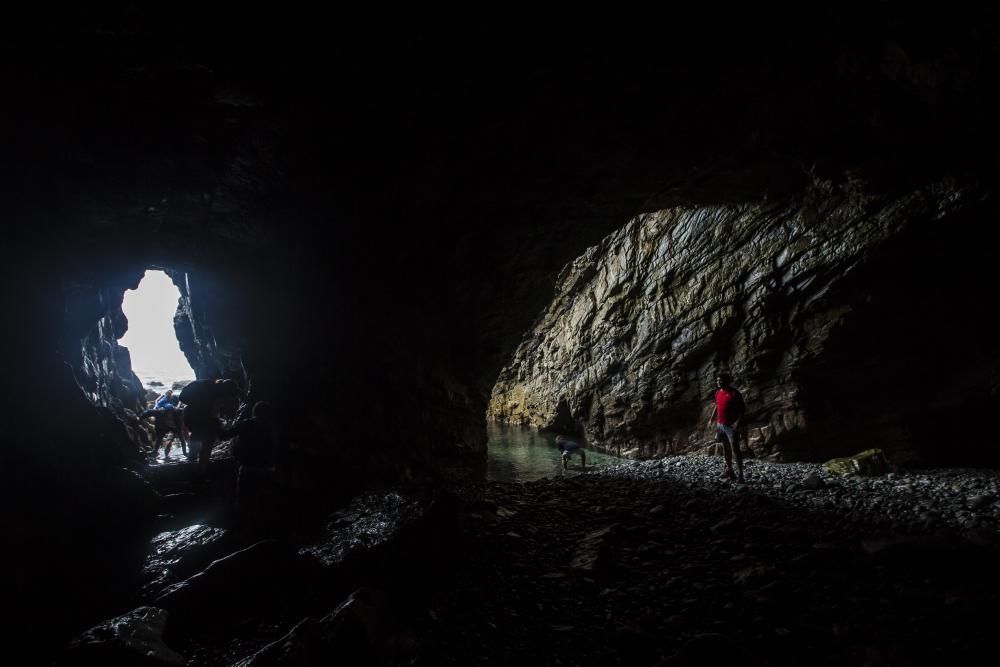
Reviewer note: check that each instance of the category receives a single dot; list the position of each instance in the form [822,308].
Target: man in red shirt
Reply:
[726,415]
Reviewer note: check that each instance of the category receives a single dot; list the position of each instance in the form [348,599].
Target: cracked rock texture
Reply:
[801,299]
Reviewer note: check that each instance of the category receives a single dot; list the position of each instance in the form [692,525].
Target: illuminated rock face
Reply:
[813,303]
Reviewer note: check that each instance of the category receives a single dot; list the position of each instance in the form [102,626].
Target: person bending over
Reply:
[568,448]
[204,401]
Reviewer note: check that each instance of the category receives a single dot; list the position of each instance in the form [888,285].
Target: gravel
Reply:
[663,562]
[916,500]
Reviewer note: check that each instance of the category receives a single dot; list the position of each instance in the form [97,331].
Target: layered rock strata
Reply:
[801,299]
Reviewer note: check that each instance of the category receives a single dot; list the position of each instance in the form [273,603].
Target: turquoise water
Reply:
[519,454]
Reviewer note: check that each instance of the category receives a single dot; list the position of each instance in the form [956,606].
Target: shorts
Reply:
[726,434]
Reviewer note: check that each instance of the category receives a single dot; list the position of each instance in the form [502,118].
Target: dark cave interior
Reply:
[366,211]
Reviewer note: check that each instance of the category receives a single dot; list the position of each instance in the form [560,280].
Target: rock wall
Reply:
[91,324]
[197,311]
[827,308]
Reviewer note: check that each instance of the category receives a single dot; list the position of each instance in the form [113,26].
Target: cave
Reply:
[402,229]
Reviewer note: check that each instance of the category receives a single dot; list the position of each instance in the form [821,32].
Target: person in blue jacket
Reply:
[166,402]
[568,448]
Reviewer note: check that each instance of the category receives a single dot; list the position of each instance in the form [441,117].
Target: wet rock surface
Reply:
[135,638]
[348,635]
[178,554]
[662,562]
[343,592]
[370,521]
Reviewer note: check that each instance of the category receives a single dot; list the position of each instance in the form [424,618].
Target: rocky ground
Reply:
[659,562]
[663,562]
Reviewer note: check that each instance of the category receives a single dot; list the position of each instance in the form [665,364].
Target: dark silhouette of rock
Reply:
[135,638]
[391,536]
[178,554]
[238,584]
[813,483]
[350,635]
[979,502]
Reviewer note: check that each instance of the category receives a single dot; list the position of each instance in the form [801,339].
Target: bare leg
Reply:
[727,449]
[739,456]
[156,444]
[169,444]
[726,442]
[181,427]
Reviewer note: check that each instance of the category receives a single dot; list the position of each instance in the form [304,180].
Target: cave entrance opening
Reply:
[151,339]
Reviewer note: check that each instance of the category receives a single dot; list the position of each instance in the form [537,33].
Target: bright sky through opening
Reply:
[150,339]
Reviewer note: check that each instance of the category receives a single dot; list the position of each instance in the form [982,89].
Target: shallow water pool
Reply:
[517,454]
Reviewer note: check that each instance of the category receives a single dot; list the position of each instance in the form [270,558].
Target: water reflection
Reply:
[519,454]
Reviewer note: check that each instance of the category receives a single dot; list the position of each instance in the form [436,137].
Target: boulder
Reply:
[981,501]
[591,549]
[295,649]
[177,554]
[352,634]
[236,586]
[813,483]
[868,462]
[395,535]
[135,638]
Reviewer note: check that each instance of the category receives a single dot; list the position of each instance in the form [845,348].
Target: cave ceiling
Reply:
[484,142]
[232,118]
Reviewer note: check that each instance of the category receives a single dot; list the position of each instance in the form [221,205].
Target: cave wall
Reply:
[371,210]
[92,324]
[74,505]
[849,320]
[200,309]
[368,226]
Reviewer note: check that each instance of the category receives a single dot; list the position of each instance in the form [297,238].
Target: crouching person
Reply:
[568,448]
